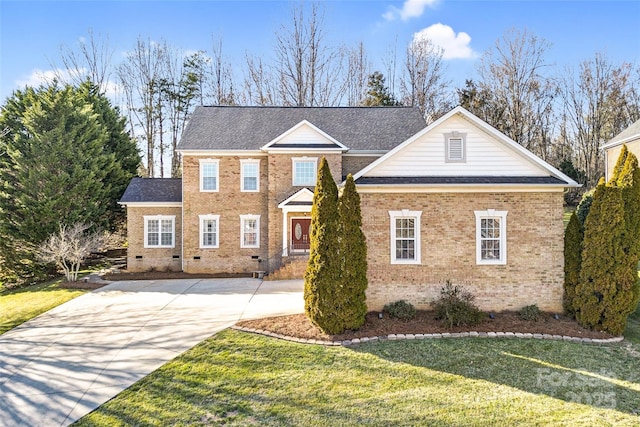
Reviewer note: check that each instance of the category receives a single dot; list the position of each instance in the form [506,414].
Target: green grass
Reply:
[566,216]
[18,306]
[238,379]
[632,332]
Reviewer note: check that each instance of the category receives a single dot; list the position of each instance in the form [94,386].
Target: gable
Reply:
[486,153]
[304,136]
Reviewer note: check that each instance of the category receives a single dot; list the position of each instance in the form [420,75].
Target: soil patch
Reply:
[299,326]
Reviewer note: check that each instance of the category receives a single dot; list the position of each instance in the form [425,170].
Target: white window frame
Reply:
[244,218]
[502,239]
[294,161]
[209,217]
[243,163]
[405,213]
[203,163]
[447,147]
[159,218]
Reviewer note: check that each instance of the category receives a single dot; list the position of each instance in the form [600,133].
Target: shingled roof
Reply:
[249,128]
[154,190]
[629,133]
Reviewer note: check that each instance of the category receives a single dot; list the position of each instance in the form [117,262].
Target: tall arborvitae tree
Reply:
[573,246]
[617,169]
[322,296]
[608,290]
[353,256]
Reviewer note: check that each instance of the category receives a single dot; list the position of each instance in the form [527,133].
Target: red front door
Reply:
[300,228]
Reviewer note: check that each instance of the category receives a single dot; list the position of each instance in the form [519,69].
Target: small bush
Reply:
[531,313]
[456,307]
[400,310]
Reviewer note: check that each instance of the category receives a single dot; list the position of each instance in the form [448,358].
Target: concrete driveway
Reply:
[58,367]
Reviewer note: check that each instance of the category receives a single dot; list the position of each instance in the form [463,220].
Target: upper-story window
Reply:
[209,174]
[159,231]
[250,175]
[455,147]
[305,171]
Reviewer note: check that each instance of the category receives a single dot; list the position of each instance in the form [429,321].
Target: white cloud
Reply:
[45,77]
[454,46]
[410,9]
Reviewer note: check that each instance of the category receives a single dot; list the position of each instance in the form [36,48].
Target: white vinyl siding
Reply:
[159,231]
[250,175]
[303,135]
[209,175]
[304,171]
[249,231]
[209,231]
[491,237]
[484,155]
[405,237]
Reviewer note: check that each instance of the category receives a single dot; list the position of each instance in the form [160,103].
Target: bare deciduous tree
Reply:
[69,247]
[91,61]
[222,82]
[513,75]
[423,83]
[358,71]
[598,100]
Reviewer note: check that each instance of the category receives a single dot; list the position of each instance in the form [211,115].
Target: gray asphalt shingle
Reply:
[153,190]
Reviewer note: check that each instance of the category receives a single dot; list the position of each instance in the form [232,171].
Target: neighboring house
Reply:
[631,137]
[455,200]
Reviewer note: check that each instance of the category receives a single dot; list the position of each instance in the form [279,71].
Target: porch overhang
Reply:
[299,202]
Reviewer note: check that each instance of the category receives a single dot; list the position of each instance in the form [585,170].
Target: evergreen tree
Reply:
[617,169]
[322,296]
[56,167]
[607,291]
[353,256]
[378,93]
[573,246]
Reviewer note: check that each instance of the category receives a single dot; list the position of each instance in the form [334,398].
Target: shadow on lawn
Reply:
[599,376]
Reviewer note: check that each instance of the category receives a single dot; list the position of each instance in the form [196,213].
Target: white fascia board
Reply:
[151,204]
[622,141]
[302,192]
[289,150]
[462,188]
[305,122]
[221,153]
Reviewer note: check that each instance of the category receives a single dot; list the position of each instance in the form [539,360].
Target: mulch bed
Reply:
[299,326]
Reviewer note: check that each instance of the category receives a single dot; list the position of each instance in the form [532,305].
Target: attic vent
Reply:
[455,147]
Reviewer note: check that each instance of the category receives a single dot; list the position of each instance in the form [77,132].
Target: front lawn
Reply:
[632,333]
[237,378]
[18,306]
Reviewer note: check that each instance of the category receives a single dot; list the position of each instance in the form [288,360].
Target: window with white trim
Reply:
[305,170]
[455,147]
[209,174]
[209,231]
[491,237]
[250,175]
[249,231]
[405,236]
[159,231]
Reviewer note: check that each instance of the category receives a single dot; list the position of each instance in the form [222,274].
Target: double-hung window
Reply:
[250,175]
[304,171]
[491,237]
[209,175]
[159,231]
[249,231]
[209,231]
[405,236]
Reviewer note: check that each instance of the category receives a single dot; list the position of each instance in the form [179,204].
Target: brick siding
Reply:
[140,258]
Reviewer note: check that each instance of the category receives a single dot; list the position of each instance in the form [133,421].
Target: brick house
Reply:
[455,200]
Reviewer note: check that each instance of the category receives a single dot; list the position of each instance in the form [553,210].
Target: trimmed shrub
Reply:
[456,307]
[353,257]
[530,313]
[573,245]
[400,310]
[323,301]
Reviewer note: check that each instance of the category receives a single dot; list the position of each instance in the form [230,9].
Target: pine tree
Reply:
[353,256]
[322,297]
[573,246]
[378,93]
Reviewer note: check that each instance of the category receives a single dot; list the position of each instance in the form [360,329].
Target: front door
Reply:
[300,228]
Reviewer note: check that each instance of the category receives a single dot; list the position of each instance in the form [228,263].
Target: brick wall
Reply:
[229,203]
[534,271]
[140,258]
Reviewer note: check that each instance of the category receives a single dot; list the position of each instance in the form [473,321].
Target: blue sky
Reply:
[32,32]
